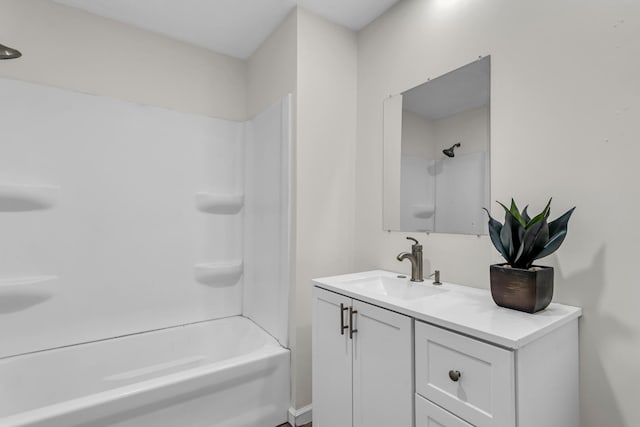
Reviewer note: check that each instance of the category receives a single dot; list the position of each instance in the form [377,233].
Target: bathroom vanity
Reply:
[390,352]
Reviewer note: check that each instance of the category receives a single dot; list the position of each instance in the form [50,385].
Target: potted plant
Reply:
[518,284]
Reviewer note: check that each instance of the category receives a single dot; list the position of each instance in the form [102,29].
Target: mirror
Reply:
[436,153]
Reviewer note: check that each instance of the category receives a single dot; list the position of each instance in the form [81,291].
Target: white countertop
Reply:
[463,309]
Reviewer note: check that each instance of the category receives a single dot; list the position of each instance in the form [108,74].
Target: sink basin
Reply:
[397,287]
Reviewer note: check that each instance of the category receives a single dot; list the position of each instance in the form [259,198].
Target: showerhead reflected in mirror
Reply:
[449,152]
[9,53]
[436,153]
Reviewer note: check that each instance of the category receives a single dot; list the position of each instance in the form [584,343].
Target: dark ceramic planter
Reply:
[520,289]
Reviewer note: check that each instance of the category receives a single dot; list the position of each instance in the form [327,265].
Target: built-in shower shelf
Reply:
[423,211]
[218,203]
[24,197]
[24,281]
[219,273]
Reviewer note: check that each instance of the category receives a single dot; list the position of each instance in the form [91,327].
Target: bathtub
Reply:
[221,373]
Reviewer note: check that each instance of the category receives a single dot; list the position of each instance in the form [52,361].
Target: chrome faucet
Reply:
[416,260]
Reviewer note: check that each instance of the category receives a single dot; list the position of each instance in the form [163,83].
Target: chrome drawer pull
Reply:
[342,325]
[454,375]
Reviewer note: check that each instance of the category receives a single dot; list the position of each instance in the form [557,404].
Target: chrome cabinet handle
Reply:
[351,330]
[342,325]
[454,375]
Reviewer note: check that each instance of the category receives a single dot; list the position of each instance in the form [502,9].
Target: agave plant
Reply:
[522,240]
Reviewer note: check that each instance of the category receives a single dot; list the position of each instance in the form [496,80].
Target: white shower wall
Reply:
[444,195]
[115,217]
[462,190]
[417,193]
[267,216]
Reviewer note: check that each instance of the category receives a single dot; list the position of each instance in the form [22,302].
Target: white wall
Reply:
[565,102]
[72,49]
[418,136]
[272,69]
[325,170]
[423,137]
[470,128]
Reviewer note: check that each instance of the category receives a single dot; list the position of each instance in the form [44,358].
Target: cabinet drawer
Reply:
[483,395]
[430,415]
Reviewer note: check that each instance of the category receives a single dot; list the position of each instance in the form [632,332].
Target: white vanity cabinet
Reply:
[439,356]
[461,381]
[362,364]
[469,378]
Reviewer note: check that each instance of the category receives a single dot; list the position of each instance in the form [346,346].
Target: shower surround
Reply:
[120,218]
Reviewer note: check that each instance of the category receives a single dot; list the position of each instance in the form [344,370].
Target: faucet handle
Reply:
[415,242]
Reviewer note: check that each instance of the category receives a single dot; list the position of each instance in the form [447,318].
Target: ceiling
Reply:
[460,90]
[231,27]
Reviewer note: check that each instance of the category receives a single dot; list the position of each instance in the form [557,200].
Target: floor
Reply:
[289,425]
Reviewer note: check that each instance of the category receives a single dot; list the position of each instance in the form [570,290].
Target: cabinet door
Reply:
[332,367]
[431,415]
[382,368]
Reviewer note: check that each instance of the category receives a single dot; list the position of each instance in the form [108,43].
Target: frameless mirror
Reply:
[436,153]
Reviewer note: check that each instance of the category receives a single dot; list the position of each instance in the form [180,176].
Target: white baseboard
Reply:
[299,417]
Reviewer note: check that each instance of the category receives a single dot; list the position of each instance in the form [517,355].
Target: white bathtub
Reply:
[221,373]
